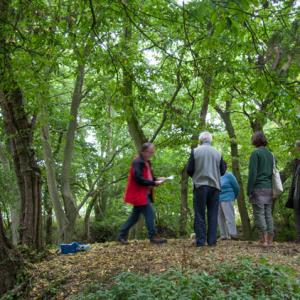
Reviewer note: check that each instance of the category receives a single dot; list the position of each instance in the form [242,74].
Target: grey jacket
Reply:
[206,166]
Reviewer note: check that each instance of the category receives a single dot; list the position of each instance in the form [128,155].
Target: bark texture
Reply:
[10,262]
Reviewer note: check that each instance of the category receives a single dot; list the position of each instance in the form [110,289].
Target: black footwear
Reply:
[157,240]
[123,241]
[234,238]
[200,245]
[212,245]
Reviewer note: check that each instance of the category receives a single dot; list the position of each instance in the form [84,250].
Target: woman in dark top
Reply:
[294,193]
[259,188]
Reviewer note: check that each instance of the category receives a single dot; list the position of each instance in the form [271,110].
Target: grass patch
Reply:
[244,280]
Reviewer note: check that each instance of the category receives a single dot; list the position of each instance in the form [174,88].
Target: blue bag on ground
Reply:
[73,248]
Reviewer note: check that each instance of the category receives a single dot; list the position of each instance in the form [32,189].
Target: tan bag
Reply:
[277,187]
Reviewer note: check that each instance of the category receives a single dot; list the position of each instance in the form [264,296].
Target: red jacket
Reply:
[139,185]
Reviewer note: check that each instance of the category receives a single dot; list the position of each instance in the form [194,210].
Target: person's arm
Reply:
[138,166]
[235,185]
[252,173]
[222,167]
[154,177]
[190,169]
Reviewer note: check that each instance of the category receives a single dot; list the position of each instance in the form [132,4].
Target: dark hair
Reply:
[259,139]
[145,147]
[225,165]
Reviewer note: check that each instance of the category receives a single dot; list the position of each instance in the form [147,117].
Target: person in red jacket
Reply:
[139,193]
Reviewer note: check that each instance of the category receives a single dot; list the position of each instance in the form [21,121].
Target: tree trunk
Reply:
[48,219]
[13,195]
[134,128]
[52,183]
[19,131]
[207,81]
[97,210]
[15,223]
[69,199]
[10,260]
[183,203]
[87,216]
[258,123]
[225,115]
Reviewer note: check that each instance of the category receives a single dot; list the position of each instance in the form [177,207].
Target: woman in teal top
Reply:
[259,187]
[226,216]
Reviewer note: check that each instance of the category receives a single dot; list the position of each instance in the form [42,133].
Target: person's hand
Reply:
[161,178]
[158,182]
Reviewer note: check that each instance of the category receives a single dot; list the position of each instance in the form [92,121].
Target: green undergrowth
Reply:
[244,280]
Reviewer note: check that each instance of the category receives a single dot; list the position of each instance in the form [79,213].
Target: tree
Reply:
[19,130]
[11,262]
[226,117]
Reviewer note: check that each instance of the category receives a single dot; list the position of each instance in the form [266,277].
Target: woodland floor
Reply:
[60,276]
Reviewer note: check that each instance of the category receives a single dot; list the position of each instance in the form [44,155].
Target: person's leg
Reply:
[212,215]
[297,219]
[269,219]
[269,222]
[229,214]
[149,216]
[260,221]
[200,195]
[221,222]
[132,219]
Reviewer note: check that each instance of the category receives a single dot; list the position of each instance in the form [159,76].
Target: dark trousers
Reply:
[297,216]
[148,212]
[206,196]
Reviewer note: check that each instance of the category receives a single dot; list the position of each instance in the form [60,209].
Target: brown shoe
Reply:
[264,239]
[157,240]
[270,239]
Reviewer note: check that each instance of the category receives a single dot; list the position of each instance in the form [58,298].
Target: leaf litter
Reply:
[64,275]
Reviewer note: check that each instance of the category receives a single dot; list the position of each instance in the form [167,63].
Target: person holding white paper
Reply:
[139,193]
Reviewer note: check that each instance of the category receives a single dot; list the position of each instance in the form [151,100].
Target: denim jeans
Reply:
[148,212]
[206,196]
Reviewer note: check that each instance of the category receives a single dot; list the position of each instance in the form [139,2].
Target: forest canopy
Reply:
[83,84]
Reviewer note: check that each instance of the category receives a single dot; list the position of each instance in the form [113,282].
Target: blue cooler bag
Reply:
[69,248]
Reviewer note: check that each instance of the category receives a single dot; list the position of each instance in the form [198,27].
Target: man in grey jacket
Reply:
[206,166]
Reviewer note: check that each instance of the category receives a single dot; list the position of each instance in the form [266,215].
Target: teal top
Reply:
[229,187]
[260,170]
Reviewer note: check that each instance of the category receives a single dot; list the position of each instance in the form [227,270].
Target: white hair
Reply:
[205,136]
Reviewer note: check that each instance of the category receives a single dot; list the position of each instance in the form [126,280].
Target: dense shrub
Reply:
[106,230]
